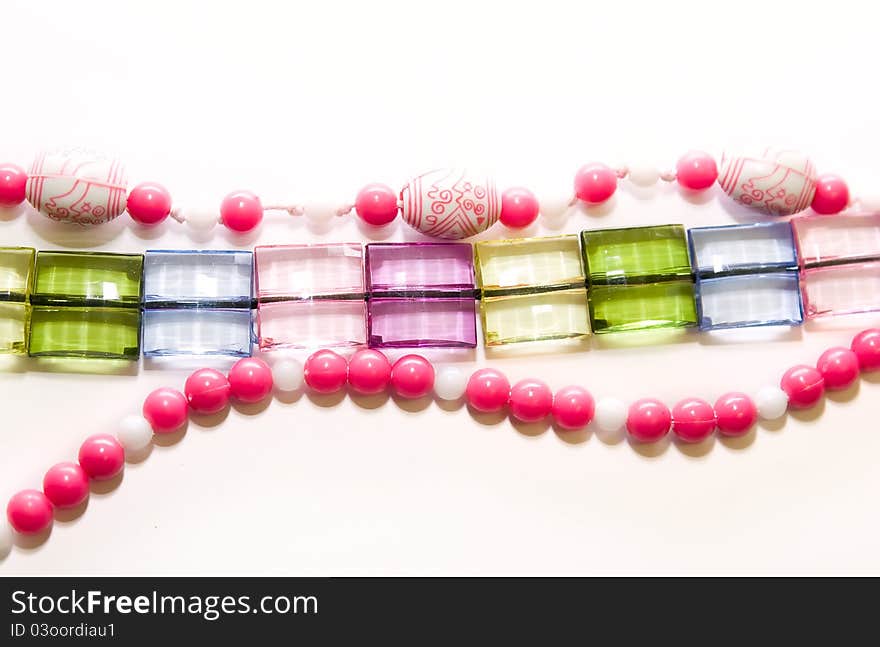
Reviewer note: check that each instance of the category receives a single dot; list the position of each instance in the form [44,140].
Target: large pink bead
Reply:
[804,386]
[29,512]
[13,181]
[376,204]
[241,211]
[573,407]
[165,409]
[77,186]
[519,207]
[101,456]
[648,420]
[369,372]
[594,183]
[839,368]
[207,391]
[149,203]
[866,346]
[450,203]
[250,380]
[696,170]
[412,377]
[66,484]
[832,194]
[488,390]
[736,413]
[325,371]
[777,183]
[693,420]
[530,400]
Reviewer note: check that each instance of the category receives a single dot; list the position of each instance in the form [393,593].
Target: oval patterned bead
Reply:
[779,183]
[450,203]
[77,186]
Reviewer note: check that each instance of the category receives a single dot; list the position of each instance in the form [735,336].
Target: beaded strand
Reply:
[165,410]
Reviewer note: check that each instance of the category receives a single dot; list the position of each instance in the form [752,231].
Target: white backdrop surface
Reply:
[306,102]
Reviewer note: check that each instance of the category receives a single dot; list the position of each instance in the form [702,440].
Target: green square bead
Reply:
[88,278]
[89,333]
[16,277]
[639,278]
[86,305]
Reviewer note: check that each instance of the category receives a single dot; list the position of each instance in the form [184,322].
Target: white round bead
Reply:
[771,402]
[319,215]
[5,538]
[200,219]
[870,203]
[610,414]
[134,433]
[643,174]
[450,383]
[288,375]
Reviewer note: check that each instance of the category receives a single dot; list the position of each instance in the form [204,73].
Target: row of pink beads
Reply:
[208,391]
[150,203]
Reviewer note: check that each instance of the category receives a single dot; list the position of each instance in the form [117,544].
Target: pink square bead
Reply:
[840,263]
[310,295]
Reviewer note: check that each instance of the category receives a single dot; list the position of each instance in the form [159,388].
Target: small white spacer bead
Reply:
[610,414]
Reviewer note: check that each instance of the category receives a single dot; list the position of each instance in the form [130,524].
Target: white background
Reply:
[306,102]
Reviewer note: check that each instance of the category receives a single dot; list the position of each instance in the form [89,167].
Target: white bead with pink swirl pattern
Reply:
[77,186]
[450,204]
[779,183]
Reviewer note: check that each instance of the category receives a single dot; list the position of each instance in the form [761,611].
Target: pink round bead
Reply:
[866,346]
[519,207]
[693,420]
[832,194]
[325,371]
[736,413]
[839,368]
[487,390]
[594,183]
[412,377]
[241,211]
[804,386]
[149,203]
[376,204]
[13,181]
[66,485]
[29,512]
[696,170]
[369,372]
[648,420]
[250,380]
[573,407]
[165,410]
[530,400]
[207,391]
[101,456]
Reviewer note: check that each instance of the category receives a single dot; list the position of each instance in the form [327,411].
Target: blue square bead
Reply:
[197,331]
[197,303]
[746,275]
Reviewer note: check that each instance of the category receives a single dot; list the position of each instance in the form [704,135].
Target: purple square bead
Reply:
[421,295]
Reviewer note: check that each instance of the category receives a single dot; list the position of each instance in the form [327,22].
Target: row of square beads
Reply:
[423,294]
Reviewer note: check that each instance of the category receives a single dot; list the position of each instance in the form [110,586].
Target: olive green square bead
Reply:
[16,277]
[639,278]
[86,305]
